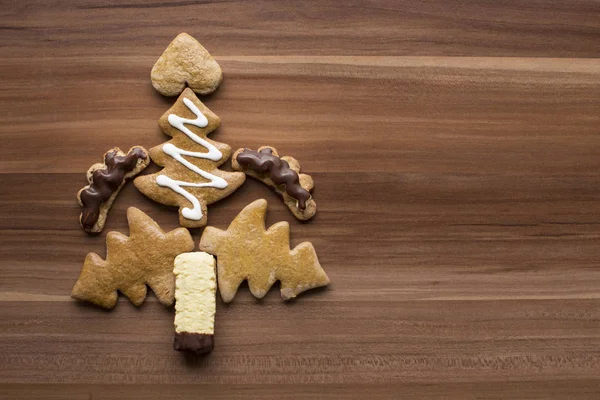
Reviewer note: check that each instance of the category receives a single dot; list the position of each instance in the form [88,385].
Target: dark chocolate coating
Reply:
[279,171]
[105,182]
[198,343]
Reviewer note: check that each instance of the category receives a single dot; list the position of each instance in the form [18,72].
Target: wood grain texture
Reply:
[455,147]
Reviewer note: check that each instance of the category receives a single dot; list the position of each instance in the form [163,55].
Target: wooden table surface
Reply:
[455,147]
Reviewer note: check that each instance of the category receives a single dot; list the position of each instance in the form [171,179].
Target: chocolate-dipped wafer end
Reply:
[198,343]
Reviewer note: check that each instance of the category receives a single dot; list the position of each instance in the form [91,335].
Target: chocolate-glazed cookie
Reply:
[105,183]
[280,173]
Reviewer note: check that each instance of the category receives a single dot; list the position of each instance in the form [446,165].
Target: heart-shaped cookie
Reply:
[186,62]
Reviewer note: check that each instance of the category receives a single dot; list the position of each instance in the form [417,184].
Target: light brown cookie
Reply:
[195,303]
[105,182]
[246,250]
[185,62]
[282,174]
[144,257]
[191,178]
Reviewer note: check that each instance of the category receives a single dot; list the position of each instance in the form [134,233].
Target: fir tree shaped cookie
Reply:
[191,178]
[144,257]
[246,250]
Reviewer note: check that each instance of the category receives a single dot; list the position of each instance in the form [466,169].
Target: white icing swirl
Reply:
[213,154]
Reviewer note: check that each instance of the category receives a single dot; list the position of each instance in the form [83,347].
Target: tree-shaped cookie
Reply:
[191,178]
[246,250]
[144,257]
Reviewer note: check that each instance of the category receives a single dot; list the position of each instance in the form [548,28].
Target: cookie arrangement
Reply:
[191,179]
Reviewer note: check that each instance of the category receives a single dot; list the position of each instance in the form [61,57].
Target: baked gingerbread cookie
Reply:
[190,178]
[248,251]
[105,182]
[195,302]
[145,257]
[185,62]
[282,174]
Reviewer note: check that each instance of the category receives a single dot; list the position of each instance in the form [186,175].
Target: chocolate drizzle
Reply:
[105,182]
[198,343]
[279,171]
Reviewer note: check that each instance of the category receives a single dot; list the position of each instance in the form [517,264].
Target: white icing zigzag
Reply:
[213,154]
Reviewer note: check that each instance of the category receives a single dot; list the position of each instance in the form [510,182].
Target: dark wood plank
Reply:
[457,166]
[572,389]
[324,338]
[311,27]
[443,241]
[415,115]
